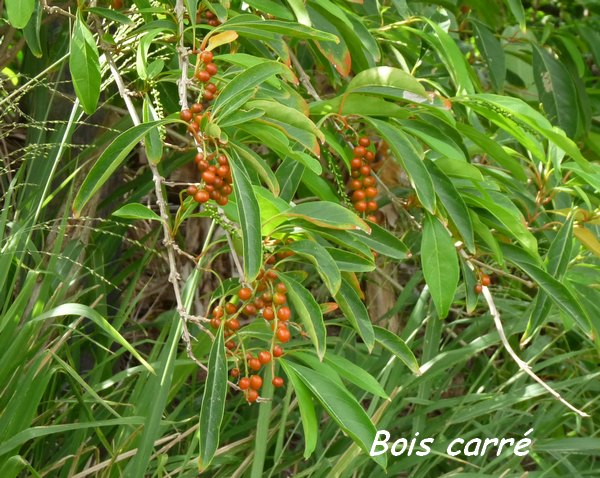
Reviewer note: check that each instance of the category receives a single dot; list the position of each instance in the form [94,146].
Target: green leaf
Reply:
[259,165]
[307,409]
[336,53]
[111,159]
[328,214]
[383,242]
[136,211]
[349,261]
[31,32]
[408,157]
[516,8]
[152,141]
[213,402]
[251,23]
[110,14]
[19,12]
[556,90]
[341,405]
[355,374]
[309,311]
[386,81]
[323,262]
[356,313]
[454,204]
[492,52]
[84,64]
[440,264]
[246,81]
[557,292]
[558,257]
[249,216]
[88,312]
[398,347]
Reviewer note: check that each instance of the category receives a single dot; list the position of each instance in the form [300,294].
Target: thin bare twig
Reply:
[524,366]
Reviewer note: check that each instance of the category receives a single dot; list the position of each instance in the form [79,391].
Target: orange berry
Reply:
[230,308]
[206,56]
[358,195]
[218,312]
[485,280]
[254,364]
[277,382]
[277,351]
[201,196]
[264,357]
[268,313]
[233,324]
[356,163]
[478,288]
[251,395]
[369,156]
[235,372]
[211,69]
[244,383]
[197,108]
[215,323]
[284,313]
[203,76]
[364,141]
[371,192]
[372,206]
[359,151]
[281,288]
[191,190]
[245,293]
[365,170]
[256,382]
[283,334]
[360,206]
[186,115]
[279,298]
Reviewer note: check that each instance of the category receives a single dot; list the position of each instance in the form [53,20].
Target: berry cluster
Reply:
[484,281]
[216,179]
[204,74]
[209,16]
[362,183]
[267,298]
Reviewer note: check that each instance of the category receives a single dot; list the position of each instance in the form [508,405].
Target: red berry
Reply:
[354,184]
[359,151]
[211,87]
[283,334]
[279,298]
[277,382]
[191,190]
[268,313]
[203,76]
[212,69]
[208,177]
[250,310]
[197,108]
[233,324]
[215,323]
[356,163]
[281,288]
[277,351]
[267,297]
[186,115]
[230,344]
[256,382]
[235,372]
[223,170]
[254,364]
[230,308]
[206,56]
[369,181]
[208,96]
[218,312]
[478,288]
[372,206]
[284,313]
[271,273]
[222,159]
[358,195]
[369,156]
[251,395]
[371,192]
[264,357]
[244,383]
[245,293]
[485,280]
[201,196]
[360,206]
[364,141]
[365,170]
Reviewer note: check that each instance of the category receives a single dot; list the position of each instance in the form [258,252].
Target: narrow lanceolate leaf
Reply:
[245,81]
[222,38]
[398,347]
[213,402]
[307,409]
[84,64]
[85,311]
[588,239]
[110,160]
[557,292]
[492,52]
[383,242]
[309,311]
[454,204]
[356,313]
[516,8]
[249,214]
[152,141]
[557,258]
[440,264]
[341,405]
[322,260]
[19,12]
[136,211]
[406,154]
[328,214]
[355,374]
[556,90]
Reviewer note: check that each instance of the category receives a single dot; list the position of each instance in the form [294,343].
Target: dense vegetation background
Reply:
[183,184]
